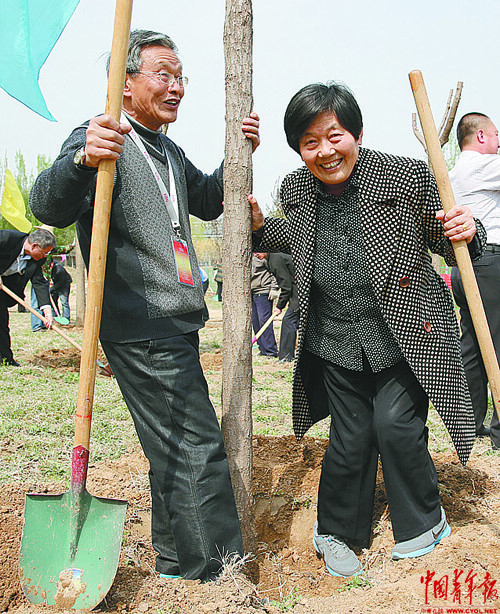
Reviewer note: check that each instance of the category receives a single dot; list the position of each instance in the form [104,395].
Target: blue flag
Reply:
[29,29]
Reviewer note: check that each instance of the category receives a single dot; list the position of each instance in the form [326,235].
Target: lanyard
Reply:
[169,199]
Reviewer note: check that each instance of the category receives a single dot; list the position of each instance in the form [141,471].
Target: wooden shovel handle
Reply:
[264,327]
[35,313]
[100,230]
[464,263]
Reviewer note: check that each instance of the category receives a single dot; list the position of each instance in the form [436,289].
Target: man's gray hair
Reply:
[43,238]
[139,39]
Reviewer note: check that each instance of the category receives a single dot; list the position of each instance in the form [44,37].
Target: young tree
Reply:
[237,359]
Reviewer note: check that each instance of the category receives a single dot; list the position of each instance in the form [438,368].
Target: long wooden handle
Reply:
[54,306]
[464,263]
[35,313]
[263,328]
[100,231]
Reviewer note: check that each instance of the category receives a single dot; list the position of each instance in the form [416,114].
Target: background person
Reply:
[475,180]
[378,335]
[218,278]
[36,324]
[21,260]
[153,300]
[281,266]
[61,288]
[265,289]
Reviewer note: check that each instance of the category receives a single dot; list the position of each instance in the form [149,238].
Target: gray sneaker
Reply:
[424,543]
[339,559]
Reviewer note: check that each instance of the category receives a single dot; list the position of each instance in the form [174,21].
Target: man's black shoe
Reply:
[484,431]
[9,363]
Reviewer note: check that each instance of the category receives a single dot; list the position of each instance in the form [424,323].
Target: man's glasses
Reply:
[164,77]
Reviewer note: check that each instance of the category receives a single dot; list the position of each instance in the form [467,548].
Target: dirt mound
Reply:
[285,484]
[211,361]
[62,359]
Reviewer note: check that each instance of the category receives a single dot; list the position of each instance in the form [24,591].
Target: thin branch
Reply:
[443,139]
[446,112]
[417,132]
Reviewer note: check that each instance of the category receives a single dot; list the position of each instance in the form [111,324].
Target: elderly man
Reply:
[153,300]
[476,183]
[21,260]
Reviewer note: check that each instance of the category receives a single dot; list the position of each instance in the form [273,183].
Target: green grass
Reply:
[38,404]
[288,602]
[361,581]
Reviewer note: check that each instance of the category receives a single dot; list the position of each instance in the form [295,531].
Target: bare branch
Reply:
[446,112]
[417,132]
[443,139]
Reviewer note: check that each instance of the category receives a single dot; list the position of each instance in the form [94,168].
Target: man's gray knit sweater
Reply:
[143,298]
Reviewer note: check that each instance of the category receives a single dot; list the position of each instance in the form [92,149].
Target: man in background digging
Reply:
[281,266]
[265,290]
[21,260]
[153,299]
[61,288]
[475,180]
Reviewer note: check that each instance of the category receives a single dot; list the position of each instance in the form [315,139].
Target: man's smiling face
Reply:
[146,97]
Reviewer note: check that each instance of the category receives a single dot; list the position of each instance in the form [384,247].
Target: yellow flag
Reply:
[12,205]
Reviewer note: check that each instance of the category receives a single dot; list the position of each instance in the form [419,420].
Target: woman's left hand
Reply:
[459,224]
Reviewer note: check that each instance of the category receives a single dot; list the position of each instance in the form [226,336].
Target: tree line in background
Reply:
[207,236]
[25,180]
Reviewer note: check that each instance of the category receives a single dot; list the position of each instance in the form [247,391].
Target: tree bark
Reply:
[237,357]
[80,286]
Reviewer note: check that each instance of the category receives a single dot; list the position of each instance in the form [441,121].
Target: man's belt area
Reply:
[492,247]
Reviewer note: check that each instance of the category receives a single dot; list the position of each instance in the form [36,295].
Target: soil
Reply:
[286,575]
[289,575]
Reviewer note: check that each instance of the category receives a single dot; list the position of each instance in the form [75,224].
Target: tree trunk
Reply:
[237,358]
[80,286]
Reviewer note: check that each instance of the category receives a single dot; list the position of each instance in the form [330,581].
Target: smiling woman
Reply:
[377,334]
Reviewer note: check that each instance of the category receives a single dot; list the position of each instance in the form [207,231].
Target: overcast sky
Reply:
[371,46]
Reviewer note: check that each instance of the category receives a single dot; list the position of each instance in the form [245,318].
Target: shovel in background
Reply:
[105,369]
[71,542]
[265,326]
[59,318]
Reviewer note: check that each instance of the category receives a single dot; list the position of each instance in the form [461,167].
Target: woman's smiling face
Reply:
[329,150]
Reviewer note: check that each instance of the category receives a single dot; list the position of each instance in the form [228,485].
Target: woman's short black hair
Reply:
[316,98]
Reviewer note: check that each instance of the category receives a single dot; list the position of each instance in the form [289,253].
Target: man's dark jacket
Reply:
[11,244]
[281,266]
[61,280]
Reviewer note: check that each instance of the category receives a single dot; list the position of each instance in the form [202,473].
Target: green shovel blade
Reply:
[56,572]
[62,320]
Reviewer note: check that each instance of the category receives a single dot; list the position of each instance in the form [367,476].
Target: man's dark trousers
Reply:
[487,271]
[262,309]
[288,335]
[5,348]
[194,518]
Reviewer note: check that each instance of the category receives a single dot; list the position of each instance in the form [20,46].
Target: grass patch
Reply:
[38,405]
[288,602]
[361,581]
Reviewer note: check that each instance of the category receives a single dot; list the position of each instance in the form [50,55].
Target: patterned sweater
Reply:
[142,296]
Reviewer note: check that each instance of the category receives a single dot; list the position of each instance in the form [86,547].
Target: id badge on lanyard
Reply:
[182,263]
[180,247]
